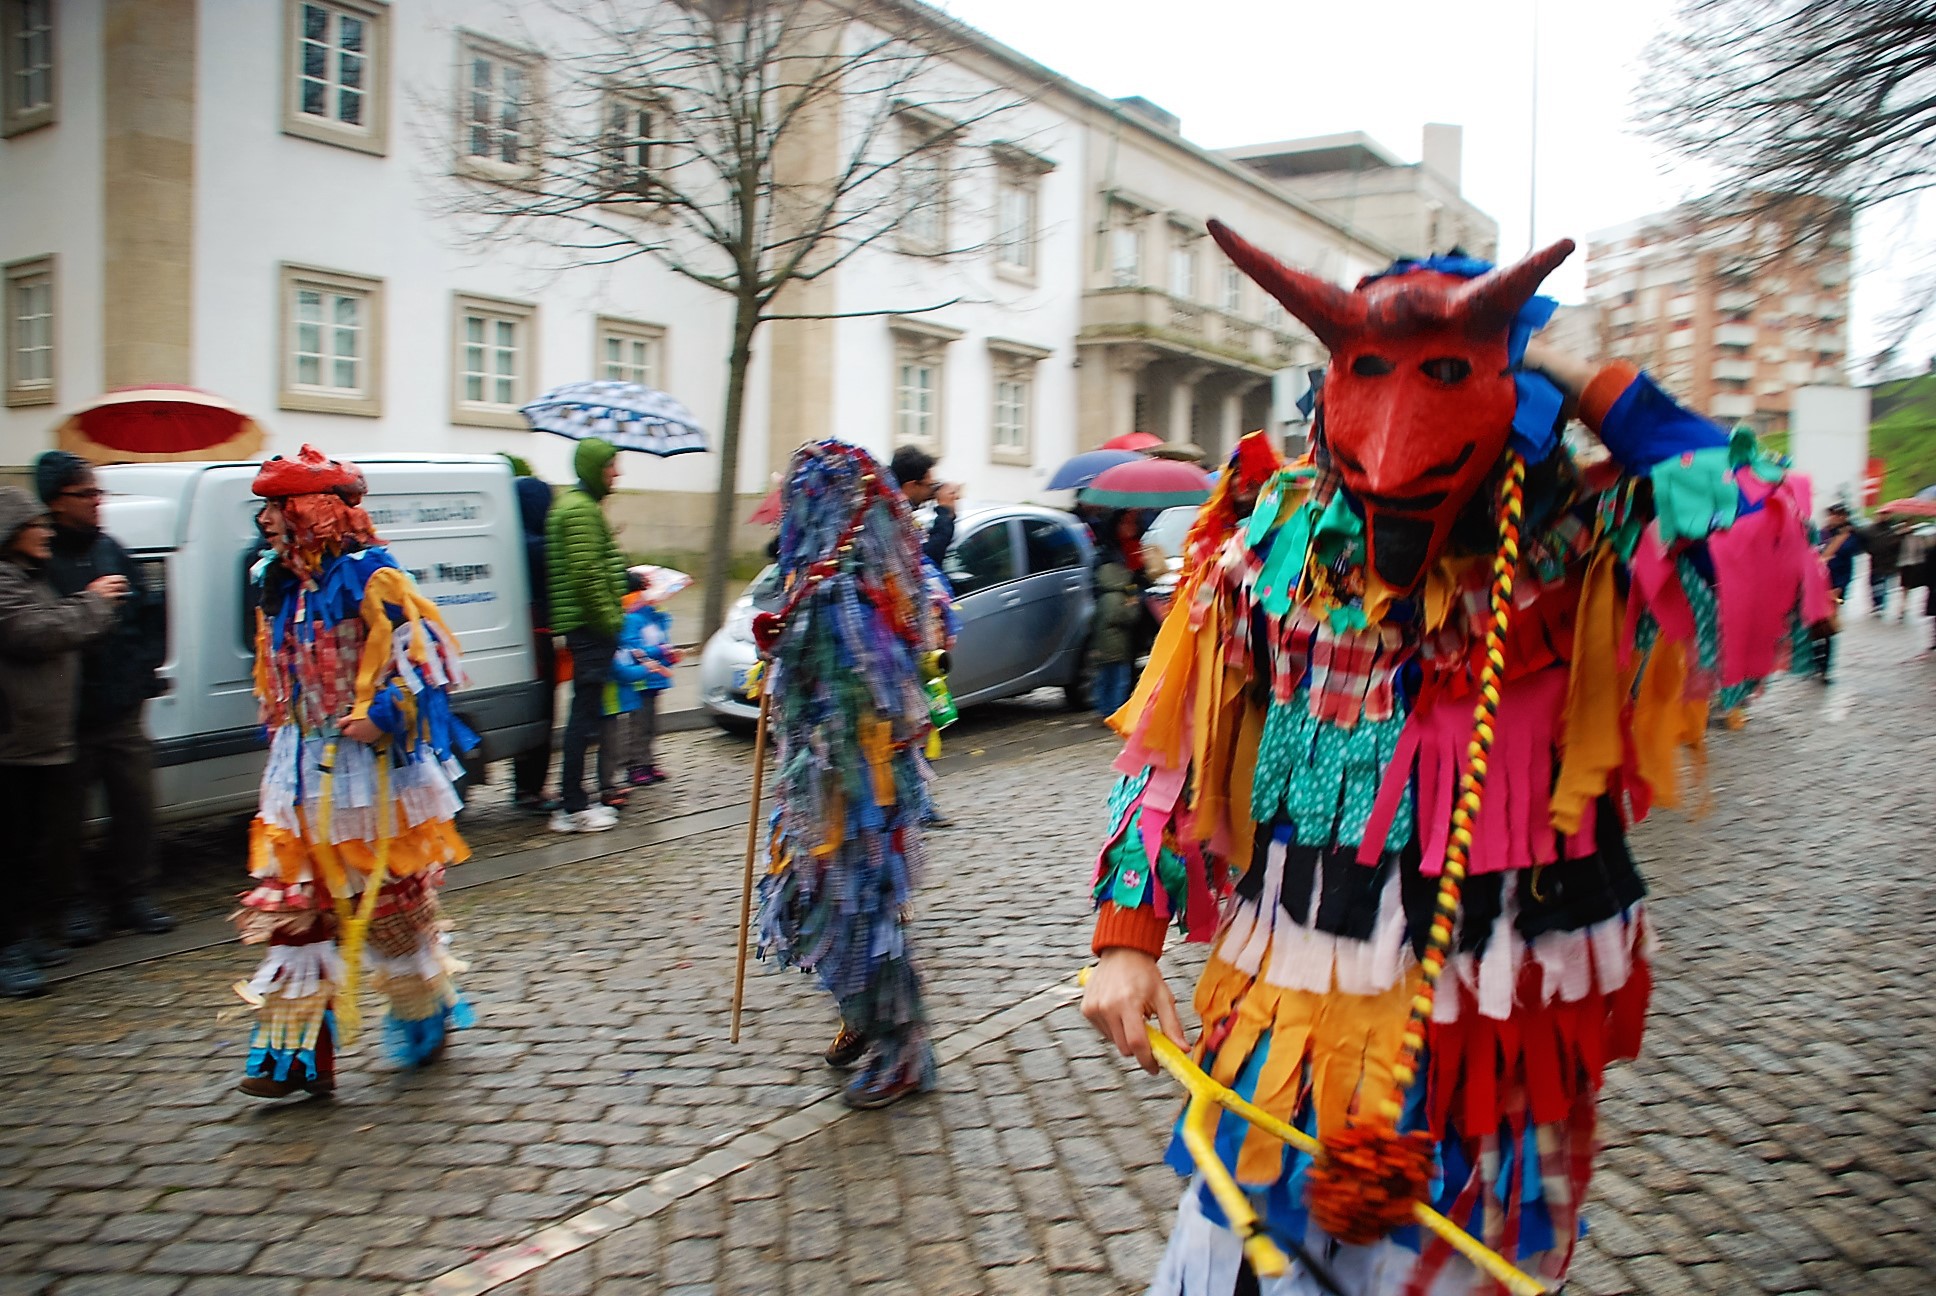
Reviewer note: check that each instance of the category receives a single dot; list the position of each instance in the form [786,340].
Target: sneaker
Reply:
[936,819]
[45,953]
[141,915]
[615,799]
[535,803]
[656,775]
[639,776]
[20,976]
[80,927]
[847,1048]
[589,820]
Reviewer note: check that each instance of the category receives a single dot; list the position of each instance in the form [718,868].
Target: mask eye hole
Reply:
[1372,366]
[1446,369]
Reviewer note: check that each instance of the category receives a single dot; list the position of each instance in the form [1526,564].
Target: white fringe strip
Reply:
[297,971]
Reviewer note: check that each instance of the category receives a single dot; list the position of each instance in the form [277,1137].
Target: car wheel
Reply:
[734,725]
[1076,692]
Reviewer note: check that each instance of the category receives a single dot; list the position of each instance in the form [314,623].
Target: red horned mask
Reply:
[1418,399]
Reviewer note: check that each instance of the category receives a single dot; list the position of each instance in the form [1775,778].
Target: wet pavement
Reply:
[596,1132]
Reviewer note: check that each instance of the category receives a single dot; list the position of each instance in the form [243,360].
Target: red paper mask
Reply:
[1418,399]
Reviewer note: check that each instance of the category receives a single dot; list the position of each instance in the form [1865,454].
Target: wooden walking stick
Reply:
[752,846]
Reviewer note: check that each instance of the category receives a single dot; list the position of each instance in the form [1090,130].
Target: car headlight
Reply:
[739,622]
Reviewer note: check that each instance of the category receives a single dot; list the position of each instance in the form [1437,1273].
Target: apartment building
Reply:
[253,199]
[1732,311]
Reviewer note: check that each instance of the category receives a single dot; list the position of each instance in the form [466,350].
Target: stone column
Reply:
[1182,398]
[148,191]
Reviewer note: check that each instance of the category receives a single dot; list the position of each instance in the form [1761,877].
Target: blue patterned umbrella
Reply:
[631,417]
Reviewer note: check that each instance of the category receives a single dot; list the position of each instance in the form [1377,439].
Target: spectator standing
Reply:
[1884,544]
[1840,545]
[913,469]
[41,635]
[587,583]
[117,679]
[1112,643]
[530,769]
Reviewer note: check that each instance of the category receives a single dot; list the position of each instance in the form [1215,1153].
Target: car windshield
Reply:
[766,586]
[1169,529]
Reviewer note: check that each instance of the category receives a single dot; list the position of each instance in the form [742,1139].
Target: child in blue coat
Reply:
[641,670]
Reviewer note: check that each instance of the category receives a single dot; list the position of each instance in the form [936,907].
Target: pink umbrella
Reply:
[1147,484]
[1132,441]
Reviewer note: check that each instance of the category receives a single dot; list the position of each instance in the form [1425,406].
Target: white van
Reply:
[452,520]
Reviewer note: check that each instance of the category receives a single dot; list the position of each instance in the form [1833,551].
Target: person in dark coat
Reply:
[117,679]
[41,638]
[530,768]
[913,469]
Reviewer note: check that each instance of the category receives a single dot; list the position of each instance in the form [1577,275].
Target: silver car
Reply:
[1023,583]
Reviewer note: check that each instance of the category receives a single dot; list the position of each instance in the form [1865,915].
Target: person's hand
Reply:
[362,729]
[947,495]
[1124,992]
[109,587]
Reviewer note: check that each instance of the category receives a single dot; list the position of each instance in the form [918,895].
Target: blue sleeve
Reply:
[1646,425]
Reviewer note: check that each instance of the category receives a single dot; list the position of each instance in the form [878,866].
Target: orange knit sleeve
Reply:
[1141,928]
[1607,387]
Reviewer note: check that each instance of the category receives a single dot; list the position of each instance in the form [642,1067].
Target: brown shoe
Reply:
[864,1097]
[270,1087]
[847,1048]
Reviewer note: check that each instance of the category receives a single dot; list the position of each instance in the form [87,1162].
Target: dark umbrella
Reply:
[1148,484]
[1082,469]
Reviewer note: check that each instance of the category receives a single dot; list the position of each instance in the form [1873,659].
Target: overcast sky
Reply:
[1249,71]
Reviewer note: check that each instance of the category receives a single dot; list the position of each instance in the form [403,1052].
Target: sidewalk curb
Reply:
[739,1152]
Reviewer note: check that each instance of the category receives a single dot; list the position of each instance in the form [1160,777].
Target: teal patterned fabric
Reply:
[1324,779]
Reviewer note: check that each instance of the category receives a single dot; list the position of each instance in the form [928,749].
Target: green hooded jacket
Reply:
[587,571]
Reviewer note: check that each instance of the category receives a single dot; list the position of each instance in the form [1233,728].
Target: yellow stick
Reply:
[752,847]
[1198,1136]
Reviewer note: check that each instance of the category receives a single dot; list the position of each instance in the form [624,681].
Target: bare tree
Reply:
[1828,97]
[748,145]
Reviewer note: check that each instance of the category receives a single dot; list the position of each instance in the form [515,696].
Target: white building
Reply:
[253,197]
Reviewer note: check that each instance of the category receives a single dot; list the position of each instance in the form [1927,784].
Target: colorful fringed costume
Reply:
[850,717]
[1438,646]
[351,838]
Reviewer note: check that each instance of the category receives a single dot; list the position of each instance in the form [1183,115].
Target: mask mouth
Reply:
[1400,546]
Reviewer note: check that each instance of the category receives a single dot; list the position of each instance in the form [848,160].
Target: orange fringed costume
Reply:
[1305,730]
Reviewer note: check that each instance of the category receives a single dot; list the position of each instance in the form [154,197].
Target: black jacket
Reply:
[941,534]
[118,669]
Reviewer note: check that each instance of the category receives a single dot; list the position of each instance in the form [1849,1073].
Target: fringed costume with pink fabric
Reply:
[1440,643]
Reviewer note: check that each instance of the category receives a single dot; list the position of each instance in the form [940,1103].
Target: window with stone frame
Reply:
[629,150]
[495,361]
[629,351]
[1011,424]
[332,352]
[1018,203]
[29,331]
[27,65]
[925,143]
[497,97]
[337,73]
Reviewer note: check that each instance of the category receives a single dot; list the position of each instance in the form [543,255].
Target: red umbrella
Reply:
[1132,441]
[768,513]
[1910,508]
[1148,483]
[141,424]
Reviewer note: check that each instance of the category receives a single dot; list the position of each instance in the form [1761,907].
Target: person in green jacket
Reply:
[587,582]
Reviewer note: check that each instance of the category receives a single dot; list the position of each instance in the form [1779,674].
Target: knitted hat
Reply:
[56,470]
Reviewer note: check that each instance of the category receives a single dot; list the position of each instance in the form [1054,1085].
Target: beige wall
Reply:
[680,522]
[148,182]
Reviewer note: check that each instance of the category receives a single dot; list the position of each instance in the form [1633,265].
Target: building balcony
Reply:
[1740,335]
[1732,405]
[1735,299]
[1681,307]
[1186,328]
[1734,370]
[1622,316]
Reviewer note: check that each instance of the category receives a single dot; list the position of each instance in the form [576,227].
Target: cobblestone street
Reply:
[596,1132]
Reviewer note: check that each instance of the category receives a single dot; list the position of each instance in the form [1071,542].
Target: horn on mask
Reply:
[1492,299]
[1331,313]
